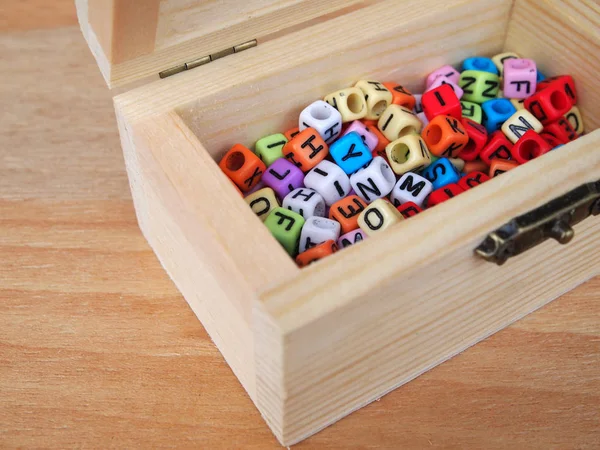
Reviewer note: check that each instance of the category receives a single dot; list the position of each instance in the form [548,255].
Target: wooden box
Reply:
[310,346]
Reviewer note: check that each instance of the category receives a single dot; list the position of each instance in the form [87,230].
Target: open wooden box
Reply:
[312,345]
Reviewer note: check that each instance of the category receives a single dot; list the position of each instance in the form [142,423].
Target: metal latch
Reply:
[552,220]
[208,58]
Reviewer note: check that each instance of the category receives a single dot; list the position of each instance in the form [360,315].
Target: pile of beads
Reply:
[371,155]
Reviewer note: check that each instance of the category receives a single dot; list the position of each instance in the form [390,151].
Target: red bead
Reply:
[498,147]
[550,139]
[561,130]
[442,194]
[409,209]
[477,139]
[565,81]
[529,146]
[471,180]
[441,101]
[550,103]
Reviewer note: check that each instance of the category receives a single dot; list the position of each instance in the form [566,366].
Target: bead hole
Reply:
[354,103]
[529,149]
[324,224]
[400,153]
[407,130]
[434,134]
[320,112]
[235,161]
[559,100]
[501,107]
[379,107]
[480,63]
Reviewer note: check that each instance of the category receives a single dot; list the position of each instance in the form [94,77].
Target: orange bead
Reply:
[346,212]
[290,134]
[445,136]
[316,253]
[499,166]
[400,95]
[243,167]
[475,166]
[382,141]
[306,149]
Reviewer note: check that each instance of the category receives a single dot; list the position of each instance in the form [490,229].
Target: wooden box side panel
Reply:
[562,37]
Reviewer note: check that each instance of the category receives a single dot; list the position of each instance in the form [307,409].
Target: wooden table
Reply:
[98,349]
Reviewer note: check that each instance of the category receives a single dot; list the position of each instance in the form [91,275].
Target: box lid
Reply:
[135,40]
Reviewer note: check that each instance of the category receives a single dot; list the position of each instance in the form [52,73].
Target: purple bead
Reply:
[258,187]
[283,177]
[351,238]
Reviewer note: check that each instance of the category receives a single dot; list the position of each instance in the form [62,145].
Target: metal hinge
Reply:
[208,58]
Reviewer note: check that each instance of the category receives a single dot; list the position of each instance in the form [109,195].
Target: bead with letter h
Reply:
[324,118]
[377,96]
[306,202]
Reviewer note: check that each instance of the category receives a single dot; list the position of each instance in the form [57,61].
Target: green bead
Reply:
[285,226]
[471,111]
[268,149]
[434,158]
[478,86]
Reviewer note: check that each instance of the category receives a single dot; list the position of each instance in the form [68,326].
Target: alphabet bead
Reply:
[289,134]
[499,166]
[306,202]
[411,188]
[400,95]
[530,145]
[317,230]
[549,104]
[519,123]
[441,173]
[478,86]
[369,138]
[458,163]
[346,212]
[377,96]
[480,63]
[316,253]
[575,119]
[561,130]
[409,209]
[496,112]
[520,77]
[324,118]
[408,154]
[476,166]
[500,58]
[285,226]
[306,149]
[445,136]
[243,167]
[441,100]
[351,238]
[471,111]
[382,141]
[378,216]
[328,180]
[269,149]
[445,80]
[497,147]
[397,121]
[566,84]
[283,177]
[443,194]
[262,202]
[550,139]
[373,181]
[472,180]
[350,102]
[447,71]
[477,139]
[517,103]
[350,152]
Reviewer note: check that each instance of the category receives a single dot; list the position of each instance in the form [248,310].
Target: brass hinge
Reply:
[208,58]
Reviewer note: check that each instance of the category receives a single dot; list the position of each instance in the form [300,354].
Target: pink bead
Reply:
[448,71]
[351,238]
[520,77]
[443,79]
[368,137]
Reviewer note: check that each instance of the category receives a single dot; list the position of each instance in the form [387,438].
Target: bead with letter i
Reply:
[378,216]
[397,121]
[520,78]
[445,136]
[316,253]
[445,80]
[243,167]
[448,71]
[323,118]
[441,100]
[285,226]
[328,180]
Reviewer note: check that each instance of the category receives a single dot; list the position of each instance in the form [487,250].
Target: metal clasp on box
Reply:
[552,220]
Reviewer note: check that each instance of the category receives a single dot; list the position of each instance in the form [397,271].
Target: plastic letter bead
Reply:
[441,173]
[478,137]
[442,194]
[480,63]
[243,167]
[520,78]
[472,111]
[262,202]
[409,209]
[285,226]
[478,86]
[550,139]
[306,149]
[378,216]
[346,212]
[499,166]
[411,188]
[447,71]
[500,58]
[441,101]
[369,138]
[269,149]
[317,230]
[350,102]
[575,119]
[497,147]
[324,118]
[397,121]
[400,95]
[350,152]
[382,141]
[316,253]
[289,134]
[373,181]
[408,154]
[283,177]
[518,103]
[445,136]
[548,104]
[529,146]
[565,82]
[472,180]
[458,163]
[496,112]
[328,180]
[378,97]
[477,165]
[519,123]
[561,130]
[351,238]
[306,202]
[442,79]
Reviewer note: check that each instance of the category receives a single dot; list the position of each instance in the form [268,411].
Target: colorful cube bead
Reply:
[346,212]
[445,136]
[306,149]
[409,209]
[478,137]
[328,180]
[262,202]
[561,130]
[350,103]
[285,226]
[369,138]
[566,83]
[323,118]
[447,71]
[382,141]
[377,96]
[351,238]
[283,177]
[306,202]
[497,147]
[441,101]
[378,216]
[373,181]
[496,112]
[243,167]
[400,95]
[500,58]
[316,253]
[441,173]
[575,119]
[499,166]
[350,152]
[471,111]
[317,230]
[408,154]
[445,80]
[269,149]
[478,86]
[476,166]
[530,145]
[520,77]
[397,121]
[549,103]
[472,179]
[412,188]
[443,194]
[480,63]
[519,123]
[289,134]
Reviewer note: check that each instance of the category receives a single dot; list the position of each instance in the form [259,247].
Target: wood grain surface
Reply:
[98,349]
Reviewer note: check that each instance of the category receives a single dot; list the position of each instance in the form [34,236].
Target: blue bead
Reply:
[540,76]
[481,64]
[350,152]
[496,112]
[441,173]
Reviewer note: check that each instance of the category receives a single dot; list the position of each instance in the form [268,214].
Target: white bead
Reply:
[317,230]
[411,188]
[306,202]
[322,117]
[329,180]
[373,181]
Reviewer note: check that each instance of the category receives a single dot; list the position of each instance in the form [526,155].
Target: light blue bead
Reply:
[540,77]
[441,173]
[496,112]
[480,63]
[350,152]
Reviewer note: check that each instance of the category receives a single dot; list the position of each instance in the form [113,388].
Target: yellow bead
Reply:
[350,102]
[458,163]
[408,154]
[377,96]
[518,103]
[378,216]
[262,202]
[499,60]
[519,123]
[575,119]
[397,121]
